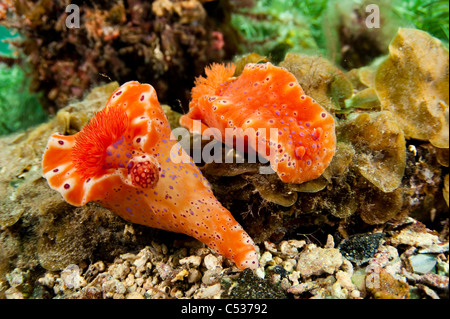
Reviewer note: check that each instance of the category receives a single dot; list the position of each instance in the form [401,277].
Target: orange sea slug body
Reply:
[123,160]
[266,97]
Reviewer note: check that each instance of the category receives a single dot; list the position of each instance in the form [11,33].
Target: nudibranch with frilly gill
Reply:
[122,160]
[266,97]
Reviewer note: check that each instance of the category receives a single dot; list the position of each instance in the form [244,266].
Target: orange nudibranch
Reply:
[266,97]
[123,160]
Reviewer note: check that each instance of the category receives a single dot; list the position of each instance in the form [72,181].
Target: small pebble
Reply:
[422,263]
[212,262]
[193,261]
[72,278]
[180,276]
[134,295]
[265,258]
[194,275]
[316,261]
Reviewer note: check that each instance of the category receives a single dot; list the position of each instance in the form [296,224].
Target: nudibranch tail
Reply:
[123,160]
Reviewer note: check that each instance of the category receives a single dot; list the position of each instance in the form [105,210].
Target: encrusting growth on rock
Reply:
[127,160]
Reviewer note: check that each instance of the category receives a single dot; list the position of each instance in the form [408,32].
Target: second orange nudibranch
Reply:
[123,159]
[266,97]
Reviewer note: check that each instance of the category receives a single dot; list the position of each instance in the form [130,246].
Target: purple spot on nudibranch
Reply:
[142,98]
[128,209]
[323,114]
[66,186]
[61,142]
[55,170]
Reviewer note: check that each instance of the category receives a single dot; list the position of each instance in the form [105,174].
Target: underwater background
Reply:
[379,212]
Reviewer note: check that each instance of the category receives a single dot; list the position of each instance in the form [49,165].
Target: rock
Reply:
[315,261]
[14,293]
[210,292]
[361,247]
[260,272]
[165,271]
[382,285]
[290,248]
[142,258]
[194,275]
[134,295]
[180,276]
[345,280]
[120,271]
[17,277]
[193,261]
[113,286]
[418,238]
[71,276]
[265,258]
[48,280]
[212,262]
[211,276]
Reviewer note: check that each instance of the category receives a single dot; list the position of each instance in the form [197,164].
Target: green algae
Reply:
[19,109]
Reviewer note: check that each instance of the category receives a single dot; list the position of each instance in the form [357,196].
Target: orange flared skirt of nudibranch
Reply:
[266,97]
[128,160]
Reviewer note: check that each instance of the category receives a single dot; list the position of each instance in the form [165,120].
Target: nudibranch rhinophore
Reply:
[265,97]
[123,160]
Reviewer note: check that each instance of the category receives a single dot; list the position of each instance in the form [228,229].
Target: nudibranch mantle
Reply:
[266,97]
[122,160]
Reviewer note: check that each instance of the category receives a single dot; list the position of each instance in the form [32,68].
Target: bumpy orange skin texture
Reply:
[265,96]
[122,160]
